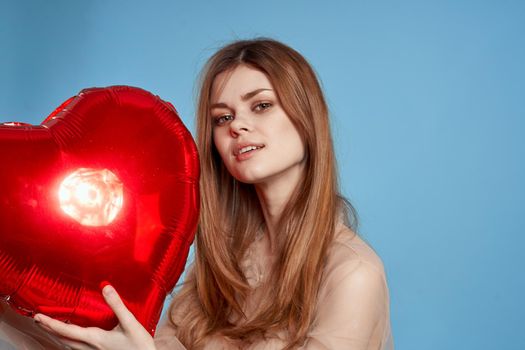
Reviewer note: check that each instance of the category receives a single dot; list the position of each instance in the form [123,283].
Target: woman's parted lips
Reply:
[239,147]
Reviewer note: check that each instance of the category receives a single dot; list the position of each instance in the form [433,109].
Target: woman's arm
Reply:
[165,338]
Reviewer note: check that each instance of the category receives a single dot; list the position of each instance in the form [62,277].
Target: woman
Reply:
[277,264]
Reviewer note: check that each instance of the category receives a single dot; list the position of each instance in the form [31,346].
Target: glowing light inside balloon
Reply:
[93,197]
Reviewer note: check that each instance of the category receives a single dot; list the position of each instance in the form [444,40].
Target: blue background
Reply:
[427,101]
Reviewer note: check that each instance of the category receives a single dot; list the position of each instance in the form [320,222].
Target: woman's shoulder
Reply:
[350,254]
[353,301]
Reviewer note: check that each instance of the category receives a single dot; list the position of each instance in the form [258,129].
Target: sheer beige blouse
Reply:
[352,309]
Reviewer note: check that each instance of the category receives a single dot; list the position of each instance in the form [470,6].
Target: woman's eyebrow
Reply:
[218,105]
[245,97]
[249,95]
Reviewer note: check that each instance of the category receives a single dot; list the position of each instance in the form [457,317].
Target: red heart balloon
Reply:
[105,189]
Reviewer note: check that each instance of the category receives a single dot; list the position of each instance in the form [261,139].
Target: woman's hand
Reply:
[128,335]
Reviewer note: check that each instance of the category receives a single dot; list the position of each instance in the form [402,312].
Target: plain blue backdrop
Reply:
[427,101]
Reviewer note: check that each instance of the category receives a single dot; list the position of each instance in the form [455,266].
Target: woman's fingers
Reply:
[128,333]
[126,319]
[63,329]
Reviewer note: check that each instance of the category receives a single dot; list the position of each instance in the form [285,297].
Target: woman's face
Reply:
[255,138]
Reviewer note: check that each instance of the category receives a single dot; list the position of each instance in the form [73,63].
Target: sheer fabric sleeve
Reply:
[353,310]
[165,338]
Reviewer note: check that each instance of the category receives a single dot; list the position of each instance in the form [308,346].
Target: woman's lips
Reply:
[246,152]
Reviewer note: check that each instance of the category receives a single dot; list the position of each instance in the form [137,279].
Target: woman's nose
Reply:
[238,126]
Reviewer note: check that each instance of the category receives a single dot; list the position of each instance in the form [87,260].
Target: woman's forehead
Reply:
[237,82]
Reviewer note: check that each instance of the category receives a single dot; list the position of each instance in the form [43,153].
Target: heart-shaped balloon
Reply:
[104,190]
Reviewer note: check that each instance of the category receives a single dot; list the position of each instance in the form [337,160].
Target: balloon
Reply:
[105,190]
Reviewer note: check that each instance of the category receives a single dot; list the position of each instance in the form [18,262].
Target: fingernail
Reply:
[107,290]
[37,319]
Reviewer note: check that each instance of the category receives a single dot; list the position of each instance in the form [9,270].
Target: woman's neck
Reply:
[274,196]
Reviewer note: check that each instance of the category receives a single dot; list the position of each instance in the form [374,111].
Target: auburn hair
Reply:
[231,214]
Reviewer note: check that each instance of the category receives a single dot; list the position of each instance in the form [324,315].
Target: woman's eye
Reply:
[220,120]
[262,106]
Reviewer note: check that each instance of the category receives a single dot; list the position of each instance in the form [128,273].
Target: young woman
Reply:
[278,264]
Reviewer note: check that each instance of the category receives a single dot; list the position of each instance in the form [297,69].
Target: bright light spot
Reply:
[90,196]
